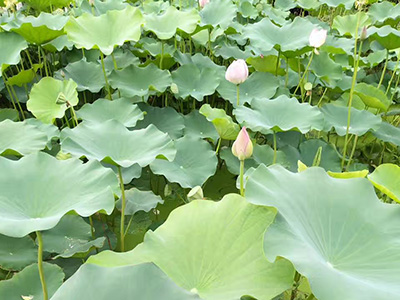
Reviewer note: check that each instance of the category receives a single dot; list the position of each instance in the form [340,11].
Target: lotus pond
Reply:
[212,149]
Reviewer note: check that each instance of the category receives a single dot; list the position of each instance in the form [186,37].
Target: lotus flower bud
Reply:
[203,3]
[363,35]
[237,72]
[317,37]
[242,148]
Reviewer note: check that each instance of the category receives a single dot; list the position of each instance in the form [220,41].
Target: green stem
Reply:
[352,152]
[277,62]
[162,54]
[40,265]
[218,146]
[395,86]
[44,61]
[287,72]
[305,72]
[105,75]
[123,205]
[74,117]
[393,75]
[241,178]
[114,61]
[237,94]
[275,152]
[384,69]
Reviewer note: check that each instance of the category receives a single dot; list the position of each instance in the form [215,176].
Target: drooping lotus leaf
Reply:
[386,178]
[196,125]
[372,96]
[266,63]
[15,254]
[87,75]
[106,31]
[123,58]
[37,30]
[347,175]
[321,229]
[361,121]
[194,163]
[120,109]
[226,128]
[166,119]
[27,282]
[112,142]
[45,4]
[379,12]
[136,81]
[11,44]
[70,236]
[205,240]
[387,36]
[44,95]
[194,81]
[137,200]
[387,133]
[259,85]
[28,200]
[144,281]
[128,174]
[291,38]
[24,76]
[218,13]
[346,25]
[326,69]
[166,24]
[280,114]
[20,138]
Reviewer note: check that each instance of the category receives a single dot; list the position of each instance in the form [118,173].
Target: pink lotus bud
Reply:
[363,35]
[203,3]
[237,72]
[317,37]
[242,148]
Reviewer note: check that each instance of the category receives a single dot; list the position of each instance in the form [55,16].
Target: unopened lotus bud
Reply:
[237,72]
[174,88]
[317,37]
[203,3]
[91,2]
[363,35]
[195,193]
[242,148]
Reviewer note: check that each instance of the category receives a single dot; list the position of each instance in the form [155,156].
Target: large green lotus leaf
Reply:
[201,61]
[106,31]
[112,142]
[58,44]
[229,50]
[387,133]
[266,63]
[280,114]
[165,25]
[258,86]
[136,81]
[386,178]
[137,200]
[326,69]
[128,174]
[330,159]
[196,125]
[17,253]
[336,232]
[194,81]
[38,30]
[144,281]
[372,96]
[379,12]
[8,114]
[218,13]
[346,25]
[226,128]
[123,57]
[72,235]
[194,163]
[213,249]
[27,282]
[46,4]
[166,119]
[290,38]
[44,95]
[29,202]
[52,132]
[24,76]
[120,109]
[20,138]
[11,44]
[87,75]
[387,36]
[361,121]
[348,4]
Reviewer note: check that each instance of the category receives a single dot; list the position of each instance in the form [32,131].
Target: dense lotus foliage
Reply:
[211,149]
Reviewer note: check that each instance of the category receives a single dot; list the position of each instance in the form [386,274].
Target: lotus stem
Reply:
[123,205]
[105,76]
[238,94]
[218,146]
[305,72]
[241,177]
[275,152]
[277,62]
[384,69]
[40,265]
[353,83]
[393,75]
[353,150]
[162,55]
